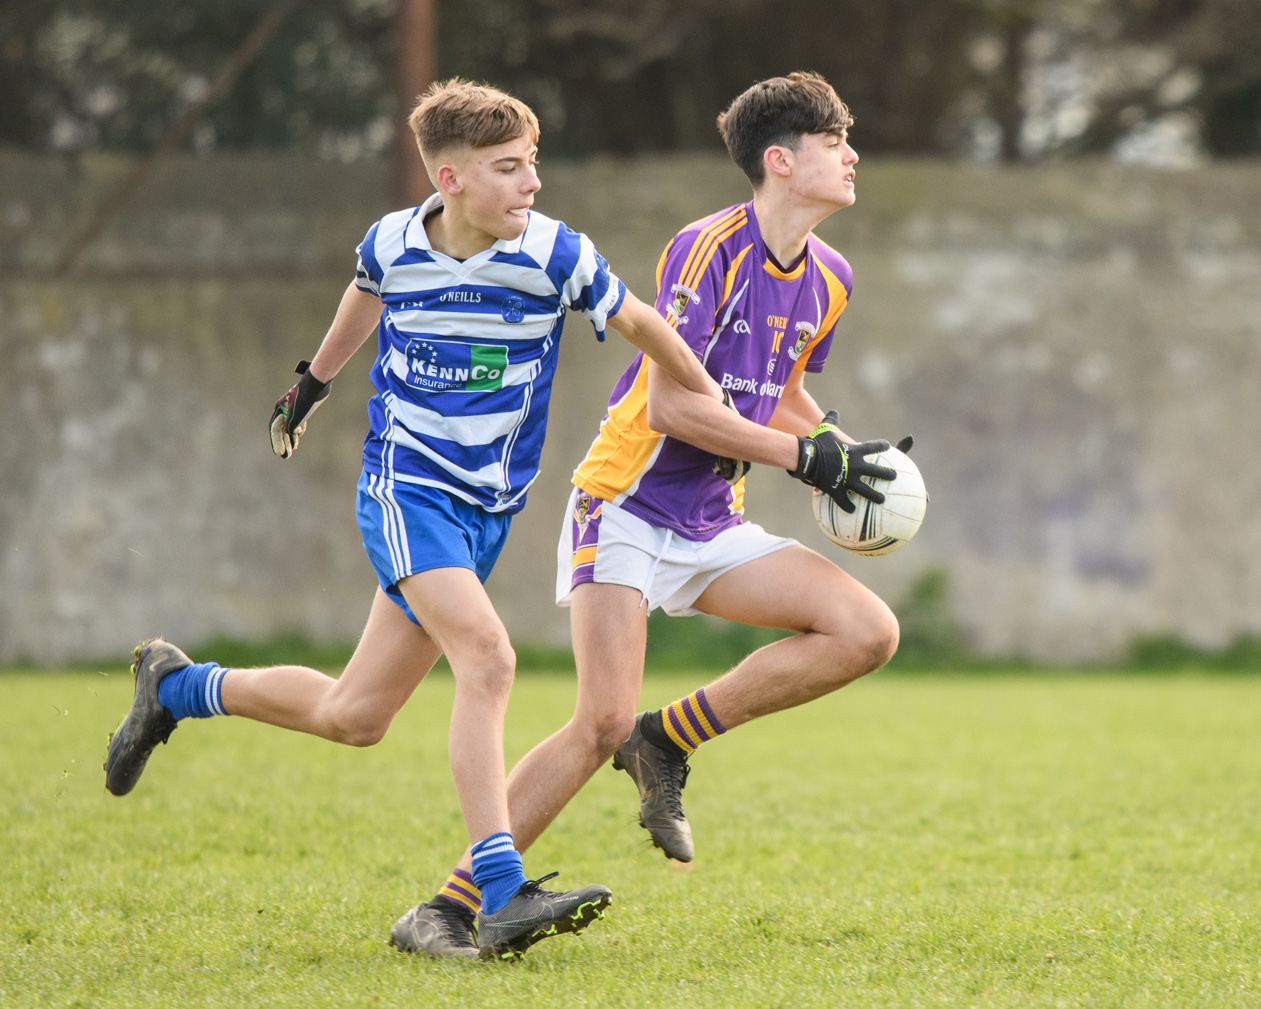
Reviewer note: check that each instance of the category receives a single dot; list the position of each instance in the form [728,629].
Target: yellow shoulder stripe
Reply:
[730,280]
[716,240]
[703,235]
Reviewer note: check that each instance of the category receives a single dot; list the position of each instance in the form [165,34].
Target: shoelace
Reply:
[533,886]
[677,769]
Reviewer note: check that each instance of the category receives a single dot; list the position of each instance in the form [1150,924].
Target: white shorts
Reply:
[600,542]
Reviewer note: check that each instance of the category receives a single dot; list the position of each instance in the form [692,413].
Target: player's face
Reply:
[823,169]
[499,186]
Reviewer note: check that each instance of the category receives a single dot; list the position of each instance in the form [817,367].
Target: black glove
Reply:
[731,470]
[294,409]
[836,468]
[904,446]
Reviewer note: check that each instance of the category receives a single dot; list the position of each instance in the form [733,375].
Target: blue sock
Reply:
[497,870]
[194,691]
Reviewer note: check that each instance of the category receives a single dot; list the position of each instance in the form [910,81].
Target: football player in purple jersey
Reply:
[656,515]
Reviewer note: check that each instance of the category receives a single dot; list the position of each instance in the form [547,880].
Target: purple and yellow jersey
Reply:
[751,323]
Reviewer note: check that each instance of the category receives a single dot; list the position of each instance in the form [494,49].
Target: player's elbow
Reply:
[665,414]
[660,417]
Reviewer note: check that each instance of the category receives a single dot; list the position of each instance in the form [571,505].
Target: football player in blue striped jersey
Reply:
[466,294]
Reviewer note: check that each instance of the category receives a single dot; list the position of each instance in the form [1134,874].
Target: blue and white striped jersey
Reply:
[467,351]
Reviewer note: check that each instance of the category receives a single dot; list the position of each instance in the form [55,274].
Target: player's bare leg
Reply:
[610,632]
[453,607]
[610,629]
[844,631]
[452,604]
[392,657]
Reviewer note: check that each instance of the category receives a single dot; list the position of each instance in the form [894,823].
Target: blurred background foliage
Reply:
[1150,81]
[931,641]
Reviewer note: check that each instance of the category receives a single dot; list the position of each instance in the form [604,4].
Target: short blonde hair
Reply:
[461,112]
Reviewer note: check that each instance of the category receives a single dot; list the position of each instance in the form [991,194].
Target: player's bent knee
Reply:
[866,645]
[365,735]
[358,727]
[882,639]
[609,730]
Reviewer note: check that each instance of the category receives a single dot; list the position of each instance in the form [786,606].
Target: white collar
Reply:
[418,238]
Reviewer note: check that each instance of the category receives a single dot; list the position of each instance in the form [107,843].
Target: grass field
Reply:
[1032,840]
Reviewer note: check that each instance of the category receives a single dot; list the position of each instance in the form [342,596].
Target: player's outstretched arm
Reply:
[709,425]
[645,330]
[356,317]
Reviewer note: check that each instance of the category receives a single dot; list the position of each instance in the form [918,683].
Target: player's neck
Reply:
[785,223]
[451,234]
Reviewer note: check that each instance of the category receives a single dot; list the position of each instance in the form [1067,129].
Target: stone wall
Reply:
[1076,349]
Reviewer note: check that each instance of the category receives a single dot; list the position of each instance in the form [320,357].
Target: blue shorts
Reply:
[408,528]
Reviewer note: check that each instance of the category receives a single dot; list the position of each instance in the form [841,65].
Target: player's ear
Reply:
[778,161]
[448,180]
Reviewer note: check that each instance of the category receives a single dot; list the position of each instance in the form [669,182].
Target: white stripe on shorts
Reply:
[382,491]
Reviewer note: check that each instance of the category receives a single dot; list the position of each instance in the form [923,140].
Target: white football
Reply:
[872,528]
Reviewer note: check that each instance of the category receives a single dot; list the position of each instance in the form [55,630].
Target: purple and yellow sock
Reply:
[460,889]
[691,721]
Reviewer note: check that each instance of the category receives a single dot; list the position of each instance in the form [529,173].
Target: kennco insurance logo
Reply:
[442,366]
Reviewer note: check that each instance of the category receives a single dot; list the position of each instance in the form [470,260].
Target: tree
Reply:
[1000,79]
[113,74]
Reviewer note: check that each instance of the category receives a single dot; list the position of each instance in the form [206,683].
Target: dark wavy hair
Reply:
[777,112]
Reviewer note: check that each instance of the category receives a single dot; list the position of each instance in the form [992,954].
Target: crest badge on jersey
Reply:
[805,330]
[682,295]
[513,309]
